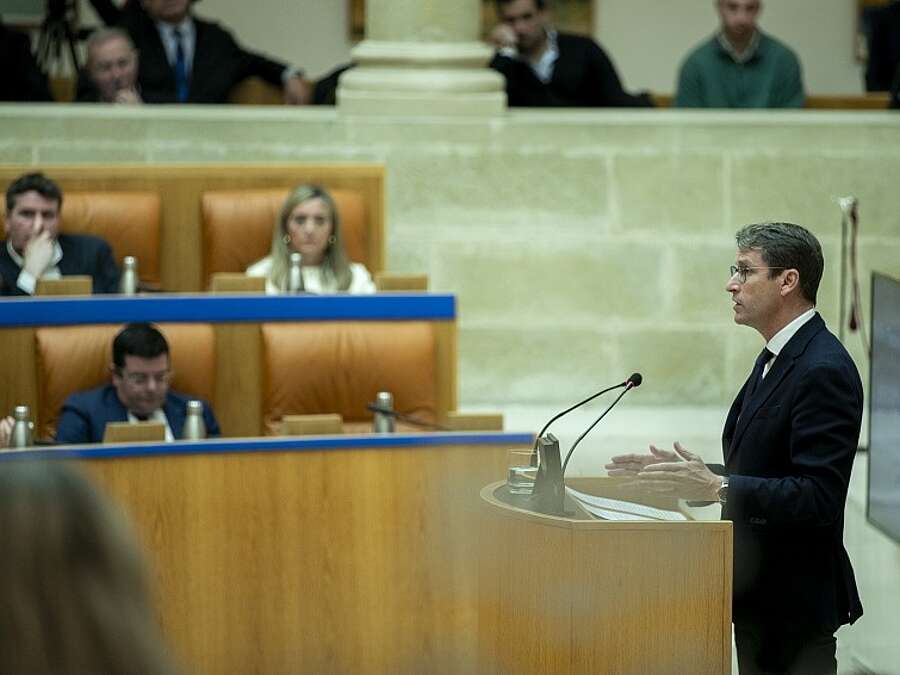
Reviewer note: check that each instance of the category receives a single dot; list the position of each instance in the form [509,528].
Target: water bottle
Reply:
[194,426]
[295,274]
[383,423]
[22,428]
[128,282]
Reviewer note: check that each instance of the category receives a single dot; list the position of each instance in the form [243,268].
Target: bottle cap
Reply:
[22,412]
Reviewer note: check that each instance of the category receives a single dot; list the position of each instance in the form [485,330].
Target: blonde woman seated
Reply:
[309,225]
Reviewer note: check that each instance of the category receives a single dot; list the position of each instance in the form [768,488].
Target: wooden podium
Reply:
[578,596]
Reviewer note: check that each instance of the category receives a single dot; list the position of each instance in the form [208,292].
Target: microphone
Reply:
[372,407]
[634,380]
[629,384]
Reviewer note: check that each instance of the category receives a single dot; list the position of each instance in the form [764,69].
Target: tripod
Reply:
[57,32]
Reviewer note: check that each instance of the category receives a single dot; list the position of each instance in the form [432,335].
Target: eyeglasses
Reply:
[143,379]
[743,272]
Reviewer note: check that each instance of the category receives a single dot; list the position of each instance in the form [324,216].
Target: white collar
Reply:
[782,337]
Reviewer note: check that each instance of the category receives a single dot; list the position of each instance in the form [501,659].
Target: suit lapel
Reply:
[783,364]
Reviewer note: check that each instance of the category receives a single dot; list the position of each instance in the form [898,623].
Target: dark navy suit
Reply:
[789,456]
[84,415]
[82,254]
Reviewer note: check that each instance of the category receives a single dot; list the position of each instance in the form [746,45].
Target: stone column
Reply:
[422,57]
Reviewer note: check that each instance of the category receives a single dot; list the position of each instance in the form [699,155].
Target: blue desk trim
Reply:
[275,444]
[18,312]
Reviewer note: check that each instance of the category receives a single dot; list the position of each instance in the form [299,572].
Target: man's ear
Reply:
[790,281]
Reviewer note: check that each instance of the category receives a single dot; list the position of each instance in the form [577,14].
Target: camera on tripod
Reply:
[59,31]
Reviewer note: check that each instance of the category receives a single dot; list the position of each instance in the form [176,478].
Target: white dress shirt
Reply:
[782,337]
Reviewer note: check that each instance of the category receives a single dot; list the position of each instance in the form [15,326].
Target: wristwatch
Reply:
[722,492]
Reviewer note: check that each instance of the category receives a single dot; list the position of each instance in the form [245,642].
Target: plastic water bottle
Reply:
[194,426]
[383,423]
[128,282]
[295,274]
[22,428]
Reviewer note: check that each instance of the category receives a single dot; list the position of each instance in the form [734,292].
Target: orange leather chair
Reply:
[75,358]
[339,367]
[128,221]
[237,227]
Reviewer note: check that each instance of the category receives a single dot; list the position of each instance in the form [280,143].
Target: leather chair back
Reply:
[339,367]
[237,226]
[75,358]
[128,221]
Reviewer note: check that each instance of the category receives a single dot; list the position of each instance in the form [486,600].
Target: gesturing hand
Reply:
[687,477]
[631,464]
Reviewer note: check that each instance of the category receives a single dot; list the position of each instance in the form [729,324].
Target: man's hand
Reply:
[503,37]
[632,464]
[128,96]
[6,427]
[297,91]
[38,254]
[687,479]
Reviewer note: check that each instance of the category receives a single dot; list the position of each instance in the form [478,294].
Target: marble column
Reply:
[422,57]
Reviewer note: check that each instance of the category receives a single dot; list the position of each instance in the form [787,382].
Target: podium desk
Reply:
[335,554]
[577,596]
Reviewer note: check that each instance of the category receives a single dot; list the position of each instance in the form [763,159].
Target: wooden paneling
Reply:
[331,561]
[180,187]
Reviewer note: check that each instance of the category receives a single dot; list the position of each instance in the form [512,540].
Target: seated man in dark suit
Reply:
[184,59]
[544,67]
[34,249]
[139,391]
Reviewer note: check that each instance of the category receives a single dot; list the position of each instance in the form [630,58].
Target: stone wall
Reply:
[582,245]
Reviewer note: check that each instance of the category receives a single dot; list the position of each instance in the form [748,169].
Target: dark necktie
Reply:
[181,75]
[756,376]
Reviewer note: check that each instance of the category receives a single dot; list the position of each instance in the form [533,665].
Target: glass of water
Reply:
[520,473]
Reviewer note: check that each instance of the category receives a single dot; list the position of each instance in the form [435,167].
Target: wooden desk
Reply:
[341,555]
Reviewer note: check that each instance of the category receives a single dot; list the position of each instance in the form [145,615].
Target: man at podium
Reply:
[789,442]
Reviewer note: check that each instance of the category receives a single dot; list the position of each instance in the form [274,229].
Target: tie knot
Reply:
[764,357]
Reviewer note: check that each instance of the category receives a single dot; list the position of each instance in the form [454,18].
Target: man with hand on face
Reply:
[112,66]
[34,249]
[140,372]
[740,66]
[544,67]
[789,443]
[184,59]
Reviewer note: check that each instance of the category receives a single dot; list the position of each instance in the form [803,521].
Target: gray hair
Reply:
[104,35]
[786,246]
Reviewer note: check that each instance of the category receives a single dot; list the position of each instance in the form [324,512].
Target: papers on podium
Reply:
[616,509]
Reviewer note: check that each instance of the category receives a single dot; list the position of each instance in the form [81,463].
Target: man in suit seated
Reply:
[184,59]
[34,249]
[544,67]
[112,67]
[139,392]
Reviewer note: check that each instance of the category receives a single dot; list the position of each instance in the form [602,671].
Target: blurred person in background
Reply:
[112,66]
[73,581]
